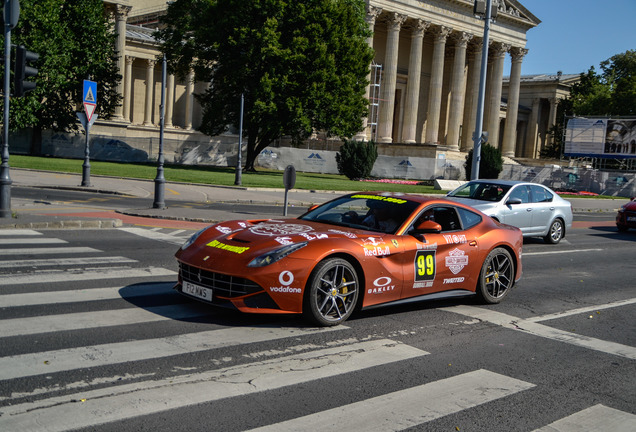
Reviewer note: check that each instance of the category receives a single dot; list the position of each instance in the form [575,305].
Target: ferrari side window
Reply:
[469,219]
[447,218]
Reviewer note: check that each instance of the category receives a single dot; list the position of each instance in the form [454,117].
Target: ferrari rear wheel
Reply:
[332,292]
[622,228]
[496,277]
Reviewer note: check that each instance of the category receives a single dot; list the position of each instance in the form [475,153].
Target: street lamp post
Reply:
[160,180]
[485,9]
[5,179]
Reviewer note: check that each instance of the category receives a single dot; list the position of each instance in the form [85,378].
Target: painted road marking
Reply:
[72,276]
[96,319]
[589,309]
[84,295]
[594,419]
[154,235]
[23,241]
[66,262]
[48,251]
[525,254]
[407,408]
[148,397]
[19,232]
[47,362]
[541,330]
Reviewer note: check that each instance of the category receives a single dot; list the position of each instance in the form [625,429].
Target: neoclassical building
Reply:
[424,79]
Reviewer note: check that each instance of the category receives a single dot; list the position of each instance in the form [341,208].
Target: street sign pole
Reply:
[86,166]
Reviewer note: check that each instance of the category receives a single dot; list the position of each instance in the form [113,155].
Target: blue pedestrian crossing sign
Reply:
[90,98]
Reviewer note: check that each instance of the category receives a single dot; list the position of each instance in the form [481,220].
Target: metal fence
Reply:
[319,156]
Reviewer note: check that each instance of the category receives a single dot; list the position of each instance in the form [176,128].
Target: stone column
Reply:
[169,100]
[510,130]
[552,117]
[457,90]
[387,105]
[121,15]
[435,89]
[189,100]
[372,13]
[472,95]
[531,132]
[413,84]
[128,87]
[499,54]
[150,87]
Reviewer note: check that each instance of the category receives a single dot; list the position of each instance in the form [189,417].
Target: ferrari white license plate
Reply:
[197,291]
[631,218]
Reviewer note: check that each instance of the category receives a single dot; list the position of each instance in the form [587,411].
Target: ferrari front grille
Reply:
[222,285]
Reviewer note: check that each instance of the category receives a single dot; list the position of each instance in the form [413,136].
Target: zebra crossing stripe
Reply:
[24,365]
[19,232]
[154,235]
[22,241]
[95,319]
[594,419]
[74,275]
[148,397]
[84,295]
[544,331]
[66,261]
[410,407]
[48,251]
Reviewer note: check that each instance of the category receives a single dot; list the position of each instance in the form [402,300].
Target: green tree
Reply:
[491,162]
[356,159]
[301,65]
[75,41]
[612,93]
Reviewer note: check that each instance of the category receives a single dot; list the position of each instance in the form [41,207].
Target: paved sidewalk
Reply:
[41,214]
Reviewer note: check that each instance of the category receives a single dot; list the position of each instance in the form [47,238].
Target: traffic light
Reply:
[23,70]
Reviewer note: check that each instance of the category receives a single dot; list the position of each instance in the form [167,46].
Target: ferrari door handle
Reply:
[472,243]
[528,209]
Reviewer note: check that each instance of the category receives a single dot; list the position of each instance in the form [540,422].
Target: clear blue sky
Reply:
[576,34]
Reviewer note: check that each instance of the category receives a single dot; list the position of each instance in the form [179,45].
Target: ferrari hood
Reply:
[272,233]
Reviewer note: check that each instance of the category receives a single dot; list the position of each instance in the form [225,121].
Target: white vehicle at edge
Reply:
[536,209]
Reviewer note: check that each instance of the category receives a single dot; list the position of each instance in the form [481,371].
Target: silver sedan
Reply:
[537,210]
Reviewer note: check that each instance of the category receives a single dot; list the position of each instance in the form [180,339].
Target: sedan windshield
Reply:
[364,211]
[483,191]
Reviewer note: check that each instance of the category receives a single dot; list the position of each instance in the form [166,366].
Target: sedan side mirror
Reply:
[513,201]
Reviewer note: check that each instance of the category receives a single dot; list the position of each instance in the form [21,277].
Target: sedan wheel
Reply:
[332,292]
[496,276]
[555,234]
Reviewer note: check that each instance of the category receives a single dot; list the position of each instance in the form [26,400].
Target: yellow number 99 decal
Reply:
[425,265]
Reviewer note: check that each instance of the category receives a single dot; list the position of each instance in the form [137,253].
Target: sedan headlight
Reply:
[275,255]
[193,238]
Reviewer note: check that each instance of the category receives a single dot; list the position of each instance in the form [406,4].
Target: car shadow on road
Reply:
[160,298]
[613,233]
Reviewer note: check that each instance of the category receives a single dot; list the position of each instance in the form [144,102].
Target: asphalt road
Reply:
[94,338]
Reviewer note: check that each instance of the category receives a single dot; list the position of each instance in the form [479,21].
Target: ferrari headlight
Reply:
[275,255]
[193,238]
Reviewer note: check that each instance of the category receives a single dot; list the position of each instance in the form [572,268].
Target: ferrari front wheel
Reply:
[496,277]
[332,292]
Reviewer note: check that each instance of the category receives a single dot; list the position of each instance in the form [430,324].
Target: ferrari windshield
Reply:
[483,191]
[364,211]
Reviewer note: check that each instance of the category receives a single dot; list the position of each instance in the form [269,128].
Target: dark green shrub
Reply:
[356,158]
[491,163]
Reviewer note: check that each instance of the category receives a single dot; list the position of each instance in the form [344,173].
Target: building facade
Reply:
[424,79]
